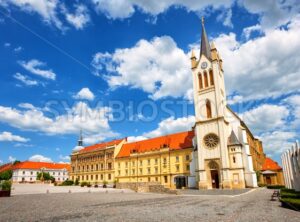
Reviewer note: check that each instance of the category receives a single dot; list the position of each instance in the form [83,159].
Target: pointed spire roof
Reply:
[205,47]
[233,140]
[80,140]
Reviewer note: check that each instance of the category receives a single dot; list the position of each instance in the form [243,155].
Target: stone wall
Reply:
[153,187]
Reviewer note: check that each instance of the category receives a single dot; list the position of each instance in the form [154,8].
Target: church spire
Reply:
[205,47]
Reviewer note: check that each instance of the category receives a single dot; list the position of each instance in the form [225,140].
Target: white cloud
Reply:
[25,79]
[249,30]
[57,149]
[267,66]
[273,13]
[7,44]
[18,49]
[85,93]
[278,141]
[47,9]
[34,66]
[266,117]
[167,126]
[40,158]
[294,104]
[1,162]
[11,159]
[120,9]
[90,120]
[8,136]
[225,17]
[80,18]
[27,106]
[158,67]
[64,158]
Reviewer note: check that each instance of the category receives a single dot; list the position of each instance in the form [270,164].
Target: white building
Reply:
[291,167]
[27,171]
[222,156]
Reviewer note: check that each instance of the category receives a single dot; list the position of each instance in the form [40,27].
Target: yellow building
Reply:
[95,164]
[164,159]
[272,173]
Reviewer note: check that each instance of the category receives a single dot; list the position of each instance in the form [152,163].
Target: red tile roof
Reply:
[174,141]
[39,165]
[270,164]
[100,146]
[5,167]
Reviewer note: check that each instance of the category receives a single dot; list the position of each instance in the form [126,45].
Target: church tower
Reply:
[211,128]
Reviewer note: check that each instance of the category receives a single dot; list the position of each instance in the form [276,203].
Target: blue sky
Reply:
[119,69]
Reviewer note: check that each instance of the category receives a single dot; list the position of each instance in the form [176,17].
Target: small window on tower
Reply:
[208,109]
[234,159]
[211,77]
[205,79]
[200,81]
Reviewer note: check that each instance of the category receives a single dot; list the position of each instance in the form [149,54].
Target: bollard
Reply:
[69,191]
[47,191]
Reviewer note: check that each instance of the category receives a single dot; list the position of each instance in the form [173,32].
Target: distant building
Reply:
[27,171]
[291,167]
[95,163]
[272,173]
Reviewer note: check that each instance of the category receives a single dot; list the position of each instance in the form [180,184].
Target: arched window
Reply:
[205,79]
[211,77]
[208,109]
[200,81]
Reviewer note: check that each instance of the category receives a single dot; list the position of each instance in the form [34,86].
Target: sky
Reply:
[117,68]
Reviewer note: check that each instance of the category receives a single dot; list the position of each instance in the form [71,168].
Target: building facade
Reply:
[271,173]
[222,151]
[96,163]
[291,167]
[164,159]
[26,172]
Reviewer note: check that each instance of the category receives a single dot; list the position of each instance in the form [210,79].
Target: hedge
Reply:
[275,186]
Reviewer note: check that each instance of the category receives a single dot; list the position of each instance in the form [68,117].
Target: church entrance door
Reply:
[214,179]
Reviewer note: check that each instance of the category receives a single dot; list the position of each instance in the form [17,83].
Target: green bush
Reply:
[6,175]
[275,186]
[83,184]
[261,185]
[295,202]
[67,183]
[6,185]
[88,185]
[289,193]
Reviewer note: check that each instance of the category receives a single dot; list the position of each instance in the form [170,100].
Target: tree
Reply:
[6,175]
[44,176]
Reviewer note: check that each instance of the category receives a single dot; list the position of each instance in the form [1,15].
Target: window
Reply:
[82,178]
[119,172]
[156,170]
[156,161]
[208,109]
[96,177]
[149,179]
[92,177]
[177,168]
[165,160]
[87,177]
[133,172]
[109,176]
[119,165]
[109,166]
[126,172]
[177,159]
[53,173]
[92,167]
[141,171]
[59,174]
[166,179]
[141,162]
[187,157]
[188,167]
[205,79]
[200,81]
[156,179]
[101,176]
[30,178]
[149,170]
[31,173]
[126,164]
[149,161]
[96,167]
[23,172]
[211,77]
[233,159]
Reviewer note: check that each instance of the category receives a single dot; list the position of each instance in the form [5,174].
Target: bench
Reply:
[275,195]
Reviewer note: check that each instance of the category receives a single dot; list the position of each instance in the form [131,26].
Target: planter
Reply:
[4,193]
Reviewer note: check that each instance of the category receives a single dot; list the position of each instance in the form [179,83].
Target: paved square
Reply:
[99,206]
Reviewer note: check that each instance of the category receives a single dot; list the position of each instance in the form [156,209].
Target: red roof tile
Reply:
[100,146]
[174,141]
[5,167]
[270,164]
[39,165]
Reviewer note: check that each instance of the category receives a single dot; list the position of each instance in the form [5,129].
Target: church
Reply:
[222,157]
[219,152]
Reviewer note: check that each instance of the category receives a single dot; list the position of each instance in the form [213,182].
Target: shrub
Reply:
[96,186]
[76,182]
[289,193]
[295,202]
[275,186]
[67,183]
[261,185]
[6,175]
[83,184]
[6,185]
[88,185]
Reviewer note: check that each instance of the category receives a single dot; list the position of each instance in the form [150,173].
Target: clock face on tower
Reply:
[203,65]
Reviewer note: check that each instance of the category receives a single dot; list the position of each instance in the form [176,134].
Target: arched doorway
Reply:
[214,174]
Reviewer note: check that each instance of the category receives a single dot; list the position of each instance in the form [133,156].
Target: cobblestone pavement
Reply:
[251,206]
[214,192]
